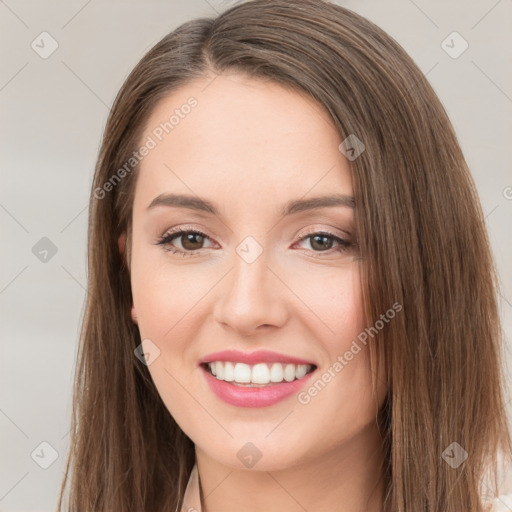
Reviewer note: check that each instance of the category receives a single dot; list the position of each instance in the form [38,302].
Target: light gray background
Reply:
[53,114]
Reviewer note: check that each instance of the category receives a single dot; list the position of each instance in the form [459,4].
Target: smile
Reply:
[260,374]
[254,394]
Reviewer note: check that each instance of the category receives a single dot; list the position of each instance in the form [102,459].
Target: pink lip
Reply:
[259,356]
[253,397]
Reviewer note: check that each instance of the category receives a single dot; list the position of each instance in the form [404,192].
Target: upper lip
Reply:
[259,356]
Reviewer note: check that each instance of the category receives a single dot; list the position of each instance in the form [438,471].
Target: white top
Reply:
[192,501]
[502,503]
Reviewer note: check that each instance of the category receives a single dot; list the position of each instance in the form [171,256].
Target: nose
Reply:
[252,297]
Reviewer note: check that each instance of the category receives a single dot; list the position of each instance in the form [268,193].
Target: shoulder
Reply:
[502,503]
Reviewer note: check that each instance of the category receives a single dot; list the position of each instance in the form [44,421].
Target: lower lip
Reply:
[264,396]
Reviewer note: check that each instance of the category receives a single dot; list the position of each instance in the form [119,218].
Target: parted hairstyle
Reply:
[422,241]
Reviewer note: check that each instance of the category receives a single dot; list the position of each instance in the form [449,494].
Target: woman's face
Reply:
[255,278]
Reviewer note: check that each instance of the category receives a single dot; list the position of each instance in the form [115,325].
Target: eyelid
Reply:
[331,231]
[186,228]
[344,242]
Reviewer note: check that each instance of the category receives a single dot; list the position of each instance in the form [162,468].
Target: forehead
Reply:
[238,137]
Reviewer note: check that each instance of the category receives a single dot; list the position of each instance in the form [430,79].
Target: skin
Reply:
[249,146]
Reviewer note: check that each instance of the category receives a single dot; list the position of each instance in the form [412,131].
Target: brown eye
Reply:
[191,241]
[323,242]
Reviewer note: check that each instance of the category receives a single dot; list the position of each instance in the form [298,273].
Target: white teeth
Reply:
[242,373]
[260,373]
[276,373]
[289,372]
[219,369]
[301,371]
[229,372]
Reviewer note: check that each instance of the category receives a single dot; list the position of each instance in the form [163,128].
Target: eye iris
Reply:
[189,237]
[322,245]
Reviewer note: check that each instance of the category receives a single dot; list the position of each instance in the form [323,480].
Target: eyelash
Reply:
[166,239]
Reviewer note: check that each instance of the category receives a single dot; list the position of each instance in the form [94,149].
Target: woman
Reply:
[292,301]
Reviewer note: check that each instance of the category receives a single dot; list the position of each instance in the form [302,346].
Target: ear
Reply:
[121,242]
[123,250]
[134,315]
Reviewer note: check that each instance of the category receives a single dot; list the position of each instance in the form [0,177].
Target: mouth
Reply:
[263,374]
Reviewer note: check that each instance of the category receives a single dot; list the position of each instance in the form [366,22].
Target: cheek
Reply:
[334,299]
[342,391]
[167,299]
[165,294]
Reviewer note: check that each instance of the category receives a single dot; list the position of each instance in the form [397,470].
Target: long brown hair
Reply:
[421,235]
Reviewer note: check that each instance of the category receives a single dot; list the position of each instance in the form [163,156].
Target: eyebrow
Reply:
[290,208]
